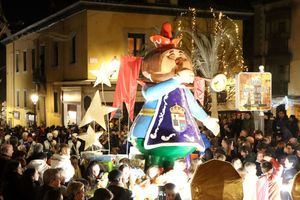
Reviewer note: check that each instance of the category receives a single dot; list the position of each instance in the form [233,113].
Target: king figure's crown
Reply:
[177,109]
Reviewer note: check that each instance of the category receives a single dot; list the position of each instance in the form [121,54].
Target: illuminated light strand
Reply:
[239,49]
[193,24]
[228,33]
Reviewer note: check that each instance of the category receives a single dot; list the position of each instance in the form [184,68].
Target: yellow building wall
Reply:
[78,24]
[52,117]
[108,31]
[64,71]
[294,85]
[100,36]
[9,83]
[19,81]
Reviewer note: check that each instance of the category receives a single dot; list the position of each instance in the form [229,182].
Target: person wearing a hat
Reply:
[49,143]
[74,144]
[24,138]
[116,187]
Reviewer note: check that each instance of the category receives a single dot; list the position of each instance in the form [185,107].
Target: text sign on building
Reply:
[254,91]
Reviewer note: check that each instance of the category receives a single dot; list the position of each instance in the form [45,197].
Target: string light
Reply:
[193,25]
[230,54]
[179,28]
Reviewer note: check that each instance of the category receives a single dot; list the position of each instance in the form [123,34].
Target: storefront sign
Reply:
[254,91]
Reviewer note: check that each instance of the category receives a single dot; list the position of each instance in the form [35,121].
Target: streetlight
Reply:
[34,98]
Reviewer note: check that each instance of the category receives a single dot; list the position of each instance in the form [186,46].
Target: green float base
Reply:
[163,156]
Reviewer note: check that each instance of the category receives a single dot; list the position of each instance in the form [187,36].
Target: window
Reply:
[24,61]
[18,98]
[25,98]
[280,79]
[42,60]
[55,54]
[17,62]
[73,50]
[136,43]
[55,98]
[33,59]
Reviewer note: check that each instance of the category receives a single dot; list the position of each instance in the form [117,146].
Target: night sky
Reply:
[22,13]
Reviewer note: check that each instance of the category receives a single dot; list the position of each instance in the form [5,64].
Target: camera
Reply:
[161,193]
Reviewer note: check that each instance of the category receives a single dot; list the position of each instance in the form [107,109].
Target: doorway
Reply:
[72,114]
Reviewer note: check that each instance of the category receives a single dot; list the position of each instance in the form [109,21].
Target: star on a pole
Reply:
[90,138]
[102,76]
[96,112]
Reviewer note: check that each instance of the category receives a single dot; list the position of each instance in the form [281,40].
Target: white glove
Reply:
[212,124]
[185,76]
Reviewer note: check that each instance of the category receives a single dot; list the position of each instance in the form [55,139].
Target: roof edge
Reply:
[88,5]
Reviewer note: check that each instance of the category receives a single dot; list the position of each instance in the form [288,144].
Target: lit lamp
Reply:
[218,83]
[34,98]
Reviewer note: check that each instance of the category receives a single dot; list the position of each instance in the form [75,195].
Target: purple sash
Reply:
[173,123]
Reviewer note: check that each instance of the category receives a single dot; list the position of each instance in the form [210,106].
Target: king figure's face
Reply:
[163,63]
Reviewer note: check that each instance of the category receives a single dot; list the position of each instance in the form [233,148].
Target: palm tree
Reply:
[214,50]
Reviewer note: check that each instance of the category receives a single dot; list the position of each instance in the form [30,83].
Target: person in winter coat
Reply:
[12,180]
[49,143]
[39,164]
[294,125]
[102,194]
[248,123]
[29,182]
[250,179]
[116,186]
[52,184]
[74,145]
[288,174]
[62,160]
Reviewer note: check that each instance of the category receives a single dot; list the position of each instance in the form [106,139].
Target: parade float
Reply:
[166,129]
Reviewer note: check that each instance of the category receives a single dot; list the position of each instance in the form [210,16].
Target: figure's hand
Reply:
[212,124]
[185,76]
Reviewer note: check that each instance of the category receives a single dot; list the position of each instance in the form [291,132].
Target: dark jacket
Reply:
[4,160]
[288,175]
[120,193]
[12,187]
[41,191]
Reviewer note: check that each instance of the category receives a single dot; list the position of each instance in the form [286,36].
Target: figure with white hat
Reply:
[49,143]
[74,144]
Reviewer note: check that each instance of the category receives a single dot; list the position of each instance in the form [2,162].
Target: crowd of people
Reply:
[47,163]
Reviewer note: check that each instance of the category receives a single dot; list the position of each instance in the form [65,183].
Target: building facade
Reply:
[54,57]
[277,46]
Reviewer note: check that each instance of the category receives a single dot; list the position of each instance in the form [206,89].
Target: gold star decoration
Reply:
[90,138]
[96,112]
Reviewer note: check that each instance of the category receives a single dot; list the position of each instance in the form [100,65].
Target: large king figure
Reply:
[165,128]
